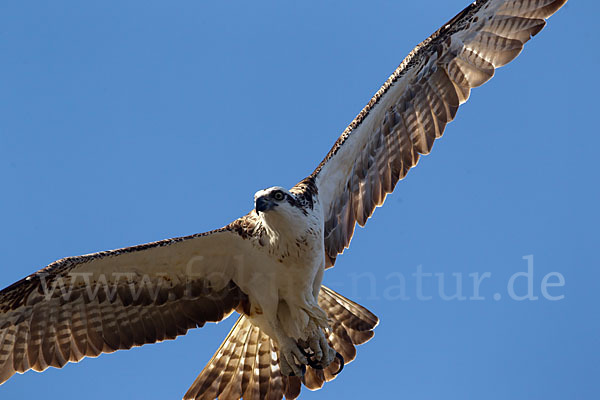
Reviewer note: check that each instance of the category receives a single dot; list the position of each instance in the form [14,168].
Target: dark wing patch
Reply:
[412,108]
[247,227]
[305,192]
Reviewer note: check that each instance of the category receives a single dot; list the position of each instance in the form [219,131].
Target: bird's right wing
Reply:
[98,303]
[412,108]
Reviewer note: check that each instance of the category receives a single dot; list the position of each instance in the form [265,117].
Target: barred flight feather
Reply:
[413,107]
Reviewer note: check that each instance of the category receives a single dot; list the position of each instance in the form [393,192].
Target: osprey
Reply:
[268,265]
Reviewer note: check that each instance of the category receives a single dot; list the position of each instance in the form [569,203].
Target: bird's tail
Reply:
[247,365]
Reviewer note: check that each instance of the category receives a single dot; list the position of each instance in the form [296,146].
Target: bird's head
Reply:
[279,209]
[274,199]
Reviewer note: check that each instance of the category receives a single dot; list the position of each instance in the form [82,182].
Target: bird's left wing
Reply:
[98,303]
[412,108]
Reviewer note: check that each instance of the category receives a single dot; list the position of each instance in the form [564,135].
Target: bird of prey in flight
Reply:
[268,265]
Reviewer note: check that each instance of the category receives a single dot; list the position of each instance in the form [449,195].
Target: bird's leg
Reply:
[319,354]
[314,364]
[314,352]
[289,357]
[291,360]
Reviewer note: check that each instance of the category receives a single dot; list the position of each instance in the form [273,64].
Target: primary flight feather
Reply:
[268,265]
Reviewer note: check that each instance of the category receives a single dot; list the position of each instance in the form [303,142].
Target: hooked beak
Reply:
[264,204]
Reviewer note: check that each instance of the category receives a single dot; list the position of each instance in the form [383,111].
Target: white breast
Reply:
[283,279]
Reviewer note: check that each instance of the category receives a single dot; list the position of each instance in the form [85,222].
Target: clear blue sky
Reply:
[130,121]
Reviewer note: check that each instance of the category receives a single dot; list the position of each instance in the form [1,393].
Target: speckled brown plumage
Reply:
[305,192]
[247,226]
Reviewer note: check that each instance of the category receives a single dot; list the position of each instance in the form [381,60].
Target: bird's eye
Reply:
[278,195]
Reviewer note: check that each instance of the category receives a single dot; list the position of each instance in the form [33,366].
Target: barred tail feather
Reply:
[351,325]
[247,365]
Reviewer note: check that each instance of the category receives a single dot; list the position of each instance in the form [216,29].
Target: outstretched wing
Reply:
[98,303]
[412,108]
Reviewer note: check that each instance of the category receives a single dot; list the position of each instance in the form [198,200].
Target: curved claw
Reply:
[306,353]
[342,362]
[311,362]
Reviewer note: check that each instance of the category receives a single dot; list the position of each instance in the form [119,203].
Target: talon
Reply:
[306,353]
[341,359]
[314,364]
[310,361]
